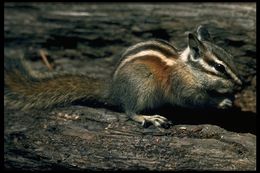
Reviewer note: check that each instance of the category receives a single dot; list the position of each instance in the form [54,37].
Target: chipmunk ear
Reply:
[203,33]
[196,46]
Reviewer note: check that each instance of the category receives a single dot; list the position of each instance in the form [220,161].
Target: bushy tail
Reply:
[25,91]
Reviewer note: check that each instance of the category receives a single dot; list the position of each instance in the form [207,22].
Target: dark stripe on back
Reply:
[167,43]
[170,51]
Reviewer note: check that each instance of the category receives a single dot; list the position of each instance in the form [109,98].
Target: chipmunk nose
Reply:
[238,85]
[238,81]
[238,88]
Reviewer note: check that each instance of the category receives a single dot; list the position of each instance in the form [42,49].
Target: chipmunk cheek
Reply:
[224,87]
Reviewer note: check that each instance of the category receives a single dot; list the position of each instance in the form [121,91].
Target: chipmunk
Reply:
[148,75]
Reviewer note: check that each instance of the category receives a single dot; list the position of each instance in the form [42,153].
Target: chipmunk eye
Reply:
[220,68]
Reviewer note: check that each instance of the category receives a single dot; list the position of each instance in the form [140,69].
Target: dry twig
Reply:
[45,59]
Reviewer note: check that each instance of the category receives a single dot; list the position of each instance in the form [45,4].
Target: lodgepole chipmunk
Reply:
[149,74]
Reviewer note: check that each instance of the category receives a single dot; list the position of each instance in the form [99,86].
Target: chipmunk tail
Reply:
[24,91]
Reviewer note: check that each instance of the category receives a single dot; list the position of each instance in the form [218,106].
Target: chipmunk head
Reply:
[214,65]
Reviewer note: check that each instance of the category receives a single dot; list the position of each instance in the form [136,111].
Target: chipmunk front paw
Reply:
[224,104]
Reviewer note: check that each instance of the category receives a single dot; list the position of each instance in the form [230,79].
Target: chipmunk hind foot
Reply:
[156,120]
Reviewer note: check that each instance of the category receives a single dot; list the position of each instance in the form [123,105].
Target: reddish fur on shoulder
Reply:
[159,69]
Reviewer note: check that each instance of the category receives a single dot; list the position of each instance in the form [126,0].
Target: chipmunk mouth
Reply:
[228,93]
[225,91]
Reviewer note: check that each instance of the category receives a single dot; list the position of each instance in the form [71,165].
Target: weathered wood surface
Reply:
[89,38]
[98,139]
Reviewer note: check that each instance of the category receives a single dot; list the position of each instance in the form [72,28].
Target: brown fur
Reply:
[45,93]
[149,74]
[159,69]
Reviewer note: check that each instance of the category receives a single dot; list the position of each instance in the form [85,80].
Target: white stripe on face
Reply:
[218,61]
[185,54]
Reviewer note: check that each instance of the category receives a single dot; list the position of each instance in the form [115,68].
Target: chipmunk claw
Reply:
[156,120]
[224,104]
